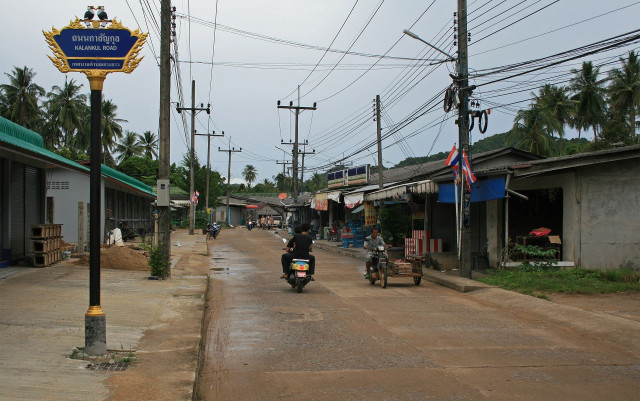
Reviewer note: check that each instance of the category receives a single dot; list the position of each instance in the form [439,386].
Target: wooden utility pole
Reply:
[379,131]
[192,152]
[463,129]
[230,151]
[213,134]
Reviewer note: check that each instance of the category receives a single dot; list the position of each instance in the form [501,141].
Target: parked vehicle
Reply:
[277,221]
[333,234]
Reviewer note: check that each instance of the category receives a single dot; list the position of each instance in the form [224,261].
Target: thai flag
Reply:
[466,170]
[195,196]
[452,161]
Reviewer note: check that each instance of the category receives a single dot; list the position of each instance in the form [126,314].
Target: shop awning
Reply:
[353,200]
[393,192]
[424,187]
[334,196]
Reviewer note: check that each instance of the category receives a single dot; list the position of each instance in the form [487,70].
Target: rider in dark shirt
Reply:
[299,247]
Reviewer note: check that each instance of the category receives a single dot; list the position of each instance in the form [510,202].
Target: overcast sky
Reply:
[262,54]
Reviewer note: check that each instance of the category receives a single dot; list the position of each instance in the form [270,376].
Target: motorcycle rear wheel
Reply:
[299,286]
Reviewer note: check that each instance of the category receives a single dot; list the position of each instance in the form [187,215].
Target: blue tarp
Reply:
[481,190]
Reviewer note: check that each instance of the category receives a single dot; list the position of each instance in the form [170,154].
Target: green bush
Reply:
[159,266]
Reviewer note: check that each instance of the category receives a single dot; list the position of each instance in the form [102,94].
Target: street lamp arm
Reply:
[413,35]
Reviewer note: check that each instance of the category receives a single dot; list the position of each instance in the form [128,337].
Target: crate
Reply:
[43,259]
[40,231]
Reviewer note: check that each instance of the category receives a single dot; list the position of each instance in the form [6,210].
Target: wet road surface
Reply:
[343,339]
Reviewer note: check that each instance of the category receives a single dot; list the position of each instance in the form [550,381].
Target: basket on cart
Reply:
[403,268]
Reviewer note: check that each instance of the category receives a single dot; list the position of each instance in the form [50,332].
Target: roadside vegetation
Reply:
[538,281]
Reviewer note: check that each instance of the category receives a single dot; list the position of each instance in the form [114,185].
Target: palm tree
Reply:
[65,109]
[128,146]
[556,103]
[21,96]
[624,89]
[531,130]
[249,173]
[589,97]
[111,128]
[149,144]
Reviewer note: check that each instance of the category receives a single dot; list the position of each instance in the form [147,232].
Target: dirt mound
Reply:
[119,258]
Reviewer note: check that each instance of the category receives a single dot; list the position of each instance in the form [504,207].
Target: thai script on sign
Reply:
[100,38]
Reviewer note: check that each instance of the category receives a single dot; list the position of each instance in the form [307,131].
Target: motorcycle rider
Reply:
[371,243]
[299,247]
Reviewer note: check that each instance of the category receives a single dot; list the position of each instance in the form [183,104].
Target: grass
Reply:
[538,282]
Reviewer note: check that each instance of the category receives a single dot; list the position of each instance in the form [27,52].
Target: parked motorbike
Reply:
[298,273]
[333,234]
[379,265]
[213,230]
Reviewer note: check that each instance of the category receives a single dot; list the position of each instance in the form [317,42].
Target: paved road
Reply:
[343,339]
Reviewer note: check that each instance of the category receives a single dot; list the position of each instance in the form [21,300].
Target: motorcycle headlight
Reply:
[380,248]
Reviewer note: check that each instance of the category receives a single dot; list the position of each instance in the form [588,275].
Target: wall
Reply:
[66,201]
[608,211]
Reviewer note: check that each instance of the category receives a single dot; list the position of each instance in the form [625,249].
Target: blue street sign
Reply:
[90,43]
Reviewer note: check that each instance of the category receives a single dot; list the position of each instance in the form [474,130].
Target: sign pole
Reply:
[95,332]
[95,48]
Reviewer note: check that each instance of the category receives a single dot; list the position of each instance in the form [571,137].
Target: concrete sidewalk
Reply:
[42,321]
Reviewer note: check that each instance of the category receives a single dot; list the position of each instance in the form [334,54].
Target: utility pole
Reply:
[193,110]
[379,131]
[304,152]
[213,134]
[297,110]
[284,173]
[230,151]
[463,128]
[164,156]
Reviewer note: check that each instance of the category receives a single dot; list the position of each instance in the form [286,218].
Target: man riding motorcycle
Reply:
[371,243]
[299,247]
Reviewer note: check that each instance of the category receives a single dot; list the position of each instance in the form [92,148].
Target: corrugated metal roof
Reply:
[17,136]
[122,177]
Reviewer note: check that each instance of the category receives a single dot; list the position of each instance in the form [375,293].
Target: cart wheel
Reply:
[417,280]
[372,281]
[383,278]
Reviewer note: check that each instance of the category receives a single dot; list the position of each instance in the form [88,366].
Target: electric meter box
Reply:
[163,193]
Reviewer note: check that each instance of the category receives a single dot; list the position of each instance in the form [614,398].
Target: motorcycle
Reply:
[249,225]
[333,234]
[379,265]
[213,230]
[298,273]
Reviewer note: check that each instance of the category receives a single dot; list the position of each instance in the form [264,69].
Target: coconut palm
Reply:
[588,93]
[128,146]
[531,130]
[111,128]
[149,144]
[20,96]
[249,173]
[624,89]
[65,107]
[556,103]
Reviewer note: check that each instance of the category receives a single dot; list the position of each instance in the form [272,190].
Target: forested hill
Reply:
[489,143]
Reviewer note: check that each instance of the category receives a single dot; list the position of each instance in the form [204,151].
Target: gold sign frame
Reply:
[61,61]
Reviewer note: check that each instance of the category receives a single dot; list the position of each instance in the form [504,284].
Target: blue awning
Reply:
[481,190]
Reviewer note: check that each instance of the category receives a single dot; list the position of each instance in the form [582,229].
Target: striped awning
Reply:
[387,193]
[424,187]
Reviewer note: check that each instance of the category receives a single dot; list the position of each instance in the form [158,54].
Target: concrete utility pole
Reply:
[284,173]
[304,152]
[213,134]
[379,131]
[230,151]
[164,156]
[295,144]
[463,128]
[192,153]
